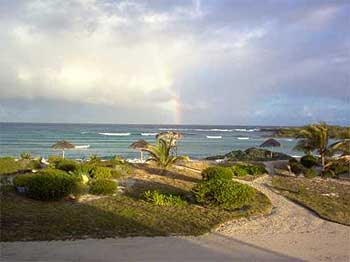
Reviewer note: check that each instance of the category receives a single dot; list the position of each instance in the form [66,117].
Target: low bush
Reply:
[161,199]
[21,180]
[296,167]
[224,193]
[100,172]
[239,170]
[54,160]
[243,170]
[47,185]
[103,187]
[9,165]
[217,173]
[67,165]
[309,161]
[310,173]
[338,167]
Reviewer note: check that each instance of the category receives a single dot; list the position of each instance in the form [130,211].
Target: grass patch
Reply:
[329,199]
[116,216]
[122,215]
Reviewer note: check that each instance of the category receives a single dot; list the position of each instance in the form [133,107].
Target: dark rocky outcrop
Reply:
[251,154]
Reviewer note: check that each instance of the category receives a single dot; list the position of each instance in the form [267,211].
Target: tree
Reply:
[161,153]
[314,138]
[342,146]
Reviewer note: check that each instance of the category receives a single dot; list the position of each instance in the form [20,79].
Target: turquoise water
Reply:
[107,140]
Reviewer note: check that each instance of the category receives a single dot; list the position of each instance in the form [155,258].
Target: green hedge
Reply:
[243,170]
[309,161]
[224,193]
[67,165]
[9,165]
[48,185]
[103,187]
[217,173]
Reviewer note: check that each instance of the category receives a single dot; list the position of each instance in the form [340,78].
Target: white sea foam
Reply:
[149,134]
[114,134]
[247,130]
[82,147]
[243,138]
[214,137]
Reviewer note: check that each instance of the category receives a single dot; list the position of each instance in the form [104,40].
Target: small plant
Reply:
[67,165]
[224,193]
[21,180]
[310,173]
[103,187]
[239,170]
[54,160]
[217,173]
[26,155]
[296,167]
[100,172]
[161,199]
[309,161]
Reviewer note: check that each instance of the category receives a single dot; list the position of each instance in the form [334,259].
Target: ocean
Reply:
[106,140]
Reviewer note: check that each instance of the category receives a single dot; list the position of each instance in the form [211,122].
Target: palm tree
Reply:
[314,137]
[161,153]
[26,156]
[342,146]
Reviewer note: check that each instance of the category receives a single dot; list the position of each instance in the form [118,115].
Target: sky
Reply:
[228,62]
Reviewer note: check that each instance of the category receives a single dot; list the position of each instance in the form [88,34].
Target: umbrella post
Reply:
[63,153]
[141,155]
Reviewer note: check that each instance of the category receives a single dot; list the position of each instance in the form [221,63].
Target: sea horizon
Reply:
[108,140]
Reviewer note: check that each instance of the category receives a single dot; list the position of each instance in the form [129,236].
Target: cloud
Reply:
[190,61]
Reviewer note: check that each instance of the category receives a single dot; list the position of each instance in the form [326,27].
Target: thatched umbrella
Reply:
[139,145]
[62,145]
[271,143]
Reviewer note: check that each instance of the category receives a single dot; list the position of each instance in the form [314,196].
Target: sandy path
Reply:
[291,229]
[289,233]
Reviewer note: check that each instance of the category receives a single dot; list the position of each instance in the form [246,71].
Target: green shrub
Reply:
[34,164]
[310,173]
[103,187]
[256,170]
[309,161]
[224,193]
[239,170]
[52,171]
[217,173]
[296,167]
[22,180]
[54,160]
[100,172]
[67,165]
[161,199]
[47,186]
[9,165]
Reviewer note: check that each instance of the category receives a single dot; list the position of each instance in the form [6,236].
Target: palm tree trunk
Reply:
[323,161]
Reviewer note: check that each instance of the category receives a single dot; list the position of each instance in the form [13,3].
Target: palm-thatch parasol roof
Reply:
[271,143]
[139,144]
[63,144]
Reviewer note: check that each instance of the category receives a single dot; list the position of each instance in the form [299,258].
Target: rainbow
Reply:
[177,110]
